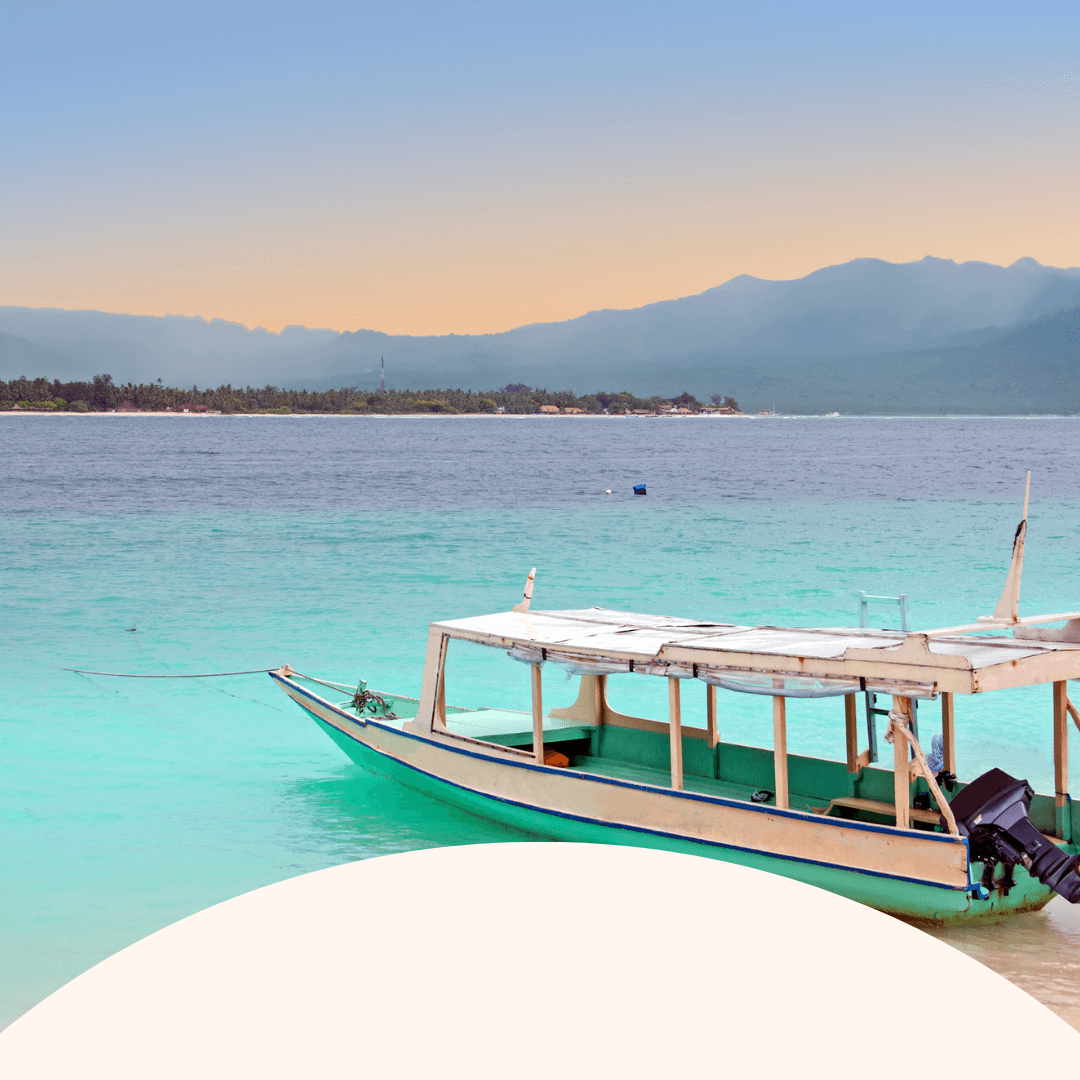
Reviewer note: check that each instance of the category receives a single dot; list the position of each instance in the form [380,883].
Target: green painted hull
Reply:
[906,899]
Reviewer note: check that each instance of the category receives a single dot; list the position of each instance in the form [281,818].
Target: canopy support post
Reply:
[948,732]
[710,716]
[851,726]
[713,731]
[901,714]
[600,699]
[440,688]
[538,716]
[675,711]
[1062,810]
[779,719]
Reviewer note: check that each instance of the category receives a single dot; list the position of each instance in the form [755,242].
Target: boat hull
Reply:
[918,876]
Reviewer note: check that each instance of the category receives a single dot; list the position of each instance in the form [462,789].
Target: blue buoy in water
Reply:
[639,489]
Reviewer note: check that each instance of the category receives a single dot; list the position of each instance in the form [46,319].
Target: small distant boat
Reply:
[910,840]
[639,489]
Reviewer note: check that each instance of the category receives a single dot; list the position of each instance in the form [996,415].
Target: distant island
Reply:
[867,337]
[103,395]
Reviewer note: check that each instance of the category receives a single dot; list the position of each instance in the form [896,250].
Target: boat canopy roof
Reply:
[779,661]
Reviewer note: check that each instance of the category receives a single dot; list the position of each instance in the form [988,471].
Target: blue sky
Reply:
[446,167]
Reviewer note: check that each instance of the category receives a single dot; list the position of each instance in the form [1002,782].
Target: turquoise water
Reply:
[330,543]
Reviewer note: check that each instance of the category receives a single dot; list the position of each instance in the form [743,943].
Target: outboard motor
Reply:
[992,811]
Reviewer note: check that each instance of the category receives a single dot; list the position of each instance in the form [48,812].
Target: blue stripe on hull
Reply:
[915,900]
[596,778]
[905,897]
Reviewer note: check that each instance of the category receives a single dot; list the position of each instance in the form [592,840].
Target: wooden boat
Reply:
[588,772]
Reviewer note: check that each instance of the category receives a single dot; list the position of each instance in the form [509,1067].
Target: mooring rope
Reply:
[361,699]
[205,675]
[898,724]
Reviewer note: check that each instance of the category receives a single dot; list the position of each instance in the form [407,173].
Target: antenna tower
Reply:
[382,381]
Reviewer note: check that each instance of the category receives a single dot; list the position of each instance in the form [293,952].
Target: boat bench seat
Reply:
[872,806]
[524,738]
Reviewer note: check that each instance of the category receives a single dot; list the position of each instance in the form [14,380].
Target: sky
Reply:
[431,168]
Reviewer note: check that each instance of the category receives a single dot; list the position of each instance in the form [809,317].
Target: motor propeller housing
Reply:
[992,811]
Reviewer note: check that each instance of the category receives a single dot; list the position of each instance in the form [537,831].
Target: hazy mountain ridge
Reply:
[864,305]
[862,336]
[1030,369]
[146,346]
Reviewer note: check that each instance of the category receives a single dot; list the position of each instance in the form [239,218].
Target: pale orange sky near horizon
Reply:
[525,175]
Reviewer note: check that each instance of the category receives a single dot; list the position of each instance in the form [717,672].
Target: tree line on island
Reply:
[103,395]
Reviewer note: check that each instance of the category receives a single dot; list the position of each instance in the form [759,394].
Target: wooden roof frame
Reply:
[953,661]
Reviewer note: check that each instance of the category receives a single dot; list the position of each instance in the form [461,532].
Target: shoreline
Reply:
[542,416]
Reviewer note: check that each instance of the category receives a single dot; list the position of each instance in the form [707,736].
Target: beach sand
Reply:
[1039,952]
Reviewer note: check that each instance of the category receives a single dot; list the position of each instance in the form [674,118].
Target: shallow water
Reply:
[234,543]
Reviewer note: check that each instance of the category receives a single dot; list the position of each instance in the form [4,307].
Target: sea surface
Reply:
[180,545]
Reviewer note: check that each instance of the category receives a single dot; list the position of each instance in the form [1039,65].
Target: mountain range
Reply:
[865,336]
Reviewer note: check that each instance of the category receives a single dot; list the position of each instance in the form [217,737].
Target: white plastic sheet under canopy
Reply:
[795,686]
[575,663]
[739,681]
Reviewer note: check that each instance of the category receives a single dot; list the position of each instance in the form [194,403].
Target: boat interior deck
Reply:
[728,771]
